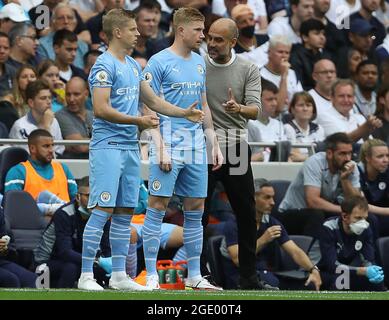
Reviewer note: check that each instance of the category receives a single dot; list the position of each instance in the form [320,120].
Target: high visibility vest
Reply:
[35,184]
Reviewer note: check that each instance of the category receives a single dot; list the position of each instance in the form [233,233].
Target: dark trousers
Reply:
[237,178]
[14,276]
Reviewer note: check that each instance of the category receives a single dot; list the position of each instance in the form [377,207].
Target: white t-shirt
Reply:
[25,125]
[258,56]
[340,9]
[66,74]
[281,26]
[333,122]
[322,104]
[293,84]
[258,6]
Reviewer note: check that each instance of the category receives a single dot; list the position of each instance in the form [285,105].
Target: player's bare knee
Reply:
[134,235]
[159,203]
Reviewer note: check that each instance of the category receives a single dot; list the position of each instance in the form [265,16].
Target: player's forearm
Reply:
[321,204]
[348,188]
[208,125]
[282,94]
[110,114]
[379,210]
[249,112]
[166,108]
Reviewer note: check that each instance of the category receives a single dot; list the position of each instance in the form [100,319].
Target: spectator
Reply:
[10,15]
[354,58]
[40,173]
[63,18]
[324,180]
[7,72]
[41,116]
[303,56]
[300,128]
[382,113]
[61,244]
[48,72]
[24,44]
[269,233]
[89,60]
[290,26]
[265,128]
[340,9]
[243,15]
[278,71]
[11,274]
[366,81]
[347,250]
[75,120]
[65,48]
[341,118]
[324,75]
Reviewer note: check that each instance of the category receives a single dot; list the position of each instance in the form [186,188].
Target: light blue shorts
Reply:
[114,178]
[166,231]
[188,177]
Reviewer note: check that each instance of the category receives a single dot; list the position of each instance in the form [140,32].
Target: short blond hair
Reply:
[367,149]
[116,18]
[184,16]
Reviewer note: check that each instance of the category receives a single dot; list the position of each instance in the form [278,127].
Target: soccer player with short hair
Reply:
[116,85]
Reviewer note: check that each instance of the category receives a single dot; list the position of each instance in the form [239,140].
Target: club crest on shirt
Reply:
[358,245]
[382,185]
[105,196]
[135,72]
[102,76]
[200,69]
[156,185]
[148,77]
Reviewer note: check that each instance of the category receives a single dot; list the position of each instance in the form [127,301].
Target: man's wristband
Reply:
[240,108]
[314,268]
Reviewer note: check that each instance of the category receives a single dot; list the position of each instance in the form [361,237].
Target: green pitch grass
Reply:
[53,294]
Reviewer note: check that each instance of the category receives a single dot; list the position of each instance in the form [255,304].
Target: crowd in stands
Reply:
[324,67]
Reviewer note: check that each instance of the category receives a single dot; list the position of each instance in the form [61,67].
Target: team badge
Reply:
[156,185]
[135,72]
[382,186]
[105,196]
[358,245]
[148,77]
[102,76]
[200,69]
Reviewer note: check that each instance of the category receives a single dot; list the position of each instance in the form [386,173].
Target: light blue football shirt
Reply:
[181,82]
[124,80]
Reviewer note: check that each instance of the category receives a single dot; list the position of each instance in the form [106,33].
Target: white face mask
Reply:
[359,226]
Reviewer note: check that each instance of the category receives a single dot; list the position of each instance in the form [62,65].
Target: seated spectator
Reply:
[354,58]
[340,9]
[65,48]
[75,120]
[347,250]
[300,128]
[278,71]
[40,173]
[366,79]
[303,56]
[10,15]
[341,118]
[63,18]
[324,180]
[7,72]
[61,244]
[41,116]
[382,113]
[243,15]
[89,60]
[324,75]
[269,233]
[87,8]
[48,72]
[266,128]
[374,178]
[11,274]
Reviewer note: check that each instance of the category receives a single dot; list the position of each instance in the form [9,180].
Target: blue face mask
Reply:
[84,212]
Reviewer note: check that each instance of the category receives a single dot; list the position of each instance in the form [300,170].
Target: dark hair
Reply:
[36,134]
[365,63]
[4,35]
[382,91]
[294,2]
[332,141]
[268,86]
[148,5]
[261,183]
[83,182]
[310,25]
[355,201]
[93,52]
[44,65]
[33,88]
[61,35]
[307,98]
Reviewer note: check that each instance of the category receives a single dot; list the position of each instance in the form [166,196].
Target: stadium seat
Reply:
[3,131]
[215,259]
[25,223]
[383,256]
[10,157]
[280,188]
[287,267]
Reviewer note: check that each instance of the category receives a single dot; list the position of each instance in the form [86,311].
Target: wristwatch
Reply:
[314,268]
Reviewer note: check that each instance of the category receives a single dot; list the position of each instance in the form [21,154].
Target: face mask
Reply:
[248,32]
[359,226]
[84,212]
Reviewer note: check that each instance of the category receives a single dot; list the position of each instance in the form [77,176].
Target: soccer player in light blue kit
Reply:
[178,158]
[116,84]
